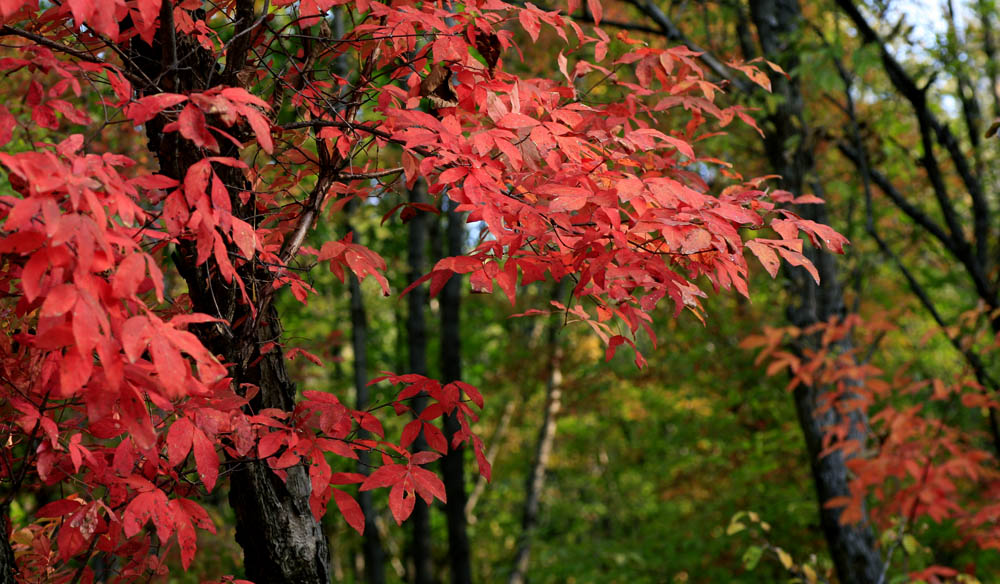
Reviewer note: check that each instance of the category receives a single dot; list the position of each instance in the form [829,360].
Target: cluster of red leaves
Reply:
[915,459]
[115,395]
[105,388]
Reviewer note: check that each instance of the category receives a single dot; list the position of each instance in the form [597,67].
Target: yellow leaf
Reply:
[785,558]
[810,574]
[910,544]
[735,527]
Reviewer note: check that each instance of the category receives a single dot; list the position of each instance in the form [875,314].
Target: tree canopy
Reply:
[224,225]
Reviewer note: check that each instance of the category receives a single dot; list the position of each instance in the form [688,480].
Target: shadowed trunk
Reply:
[543,448]
[282,542]
[452,465]
[787,142]
[8,568]
[416,333]
[373,553]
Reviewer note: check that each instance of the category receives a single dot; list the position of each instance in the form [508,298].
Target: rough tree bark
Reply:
[852,547]
[8,568]
[416,333]
[281,540]
[543,448]
[453,463]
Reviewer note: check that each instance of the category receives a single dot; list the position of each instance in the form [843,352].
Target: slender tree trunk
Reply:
[8,567]
[453,463]
[416,331]
[491,454]
[543,448]
[282,542]
[852,547]
[373,553]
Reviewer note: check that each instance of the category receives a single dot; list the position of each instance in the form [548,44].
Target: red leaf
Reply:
[350,509]
[188,515]
[191,124]
[71,540]
[7,125]
[472,392]
[485,469]
[149,506]
[187,539]
[384,476]
[401,503]
[205,458]
[410,433]
[797,259]
[346,478]
[270,444]
[86,330]
[435,438]
[451,175]
[179,440]
[371,423]
[766,255]
[294,352]
[59,300]
[148,107]
[130,273]
[595,10]
[135,335]
[529,21]
[428,485]
[136,418]
[261,128]
[171,369]
[45,117]
[59,508]
[244,237]
[515,120]
[423,457]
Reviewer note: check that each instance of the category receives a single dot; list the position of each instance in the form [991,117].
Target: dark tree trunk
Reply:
[452,465]
[373,553]
[852,547]
[543,448]
[416,332]
[282,542]
[8,567]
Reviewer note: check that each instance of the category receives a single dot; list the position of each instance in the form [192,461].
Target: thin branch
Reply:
[366,175]
[885,185]
[670,30]
[7,30]
[928,123]
[861,160]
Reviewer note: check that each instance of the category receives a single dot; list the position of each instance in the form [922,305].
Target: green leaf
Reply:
[751,557]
